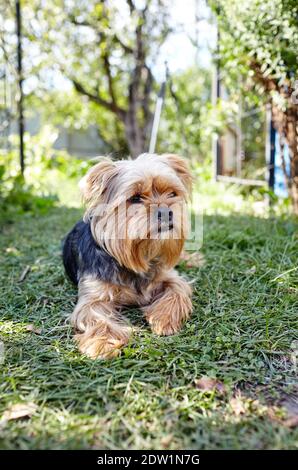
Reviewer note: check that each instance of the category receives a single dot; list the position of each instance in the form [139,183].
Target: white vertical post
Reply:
[156,119]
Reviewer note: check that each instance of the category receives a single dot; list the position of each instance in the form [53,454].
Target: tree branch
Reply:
[131,5]
[110,105]
[107,67]
[125,47]
[115,38]
[146,98]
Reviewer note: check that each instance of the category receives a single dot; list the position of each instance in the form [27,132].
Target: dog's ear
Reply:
[181,167]
[98,181]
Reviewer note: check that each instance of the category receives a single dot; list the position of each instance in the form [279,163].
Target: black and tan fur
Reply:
[124,250]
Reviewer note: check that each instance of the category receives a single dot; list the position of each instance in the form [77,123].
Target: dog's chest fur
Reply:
[82,257]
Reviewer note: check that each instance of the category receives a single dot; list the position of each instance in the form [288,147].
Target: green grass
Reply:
[241,332]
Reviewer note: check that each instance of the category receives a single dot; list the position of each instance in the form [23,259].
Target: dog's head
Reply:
[137,208]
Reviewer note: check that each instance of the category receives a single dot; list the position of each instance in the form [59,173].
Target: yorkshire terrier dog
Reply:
[123,251]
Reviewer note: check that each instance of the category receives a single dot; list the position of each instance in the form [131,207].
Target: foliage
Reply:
[262,32]
[72,112]
[185,125]
[47,174]
[107,51]
[259,40]
[22,198]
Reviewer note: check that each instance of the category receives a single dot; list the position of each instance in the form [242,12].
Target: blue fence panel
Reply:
[280,188]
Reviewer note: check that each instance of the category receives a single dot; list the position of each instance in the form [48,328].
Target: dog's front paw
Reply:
[163,326]
[103,346]
[167,315]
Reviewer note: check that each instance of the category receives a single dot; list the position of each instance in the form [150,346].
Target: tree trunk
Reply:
[286,124]
[292,138]
[135,134]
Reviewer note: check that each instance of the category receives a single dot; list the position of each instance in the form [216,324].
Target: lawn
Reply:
[242,334]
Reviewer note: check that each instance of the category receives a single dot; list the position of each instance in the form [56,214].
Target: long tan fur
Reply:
[122,229]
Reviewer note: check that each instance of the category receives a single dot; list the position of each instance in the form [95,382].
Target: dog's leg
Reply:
[101,333]
[171,306]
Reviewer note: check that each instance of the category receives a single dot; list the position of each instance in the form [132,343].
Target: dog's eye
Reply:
[173,194]
[135,199]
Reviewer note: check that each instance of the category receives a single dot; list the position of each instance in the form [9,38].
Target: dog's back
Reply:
[70,251]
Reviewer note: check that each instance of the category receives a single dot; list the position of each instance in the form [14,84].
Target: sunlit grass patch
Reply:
[241,333]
